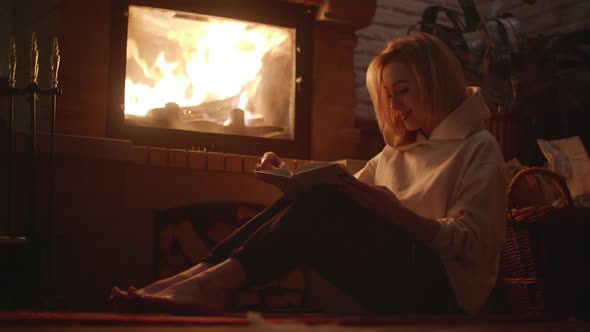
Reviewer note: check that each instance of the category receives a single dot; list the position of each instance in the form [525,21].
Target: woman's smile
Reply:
[404,115]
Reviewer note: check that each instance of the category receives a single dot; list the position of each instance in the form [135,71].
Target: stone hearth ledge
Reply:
[120,150]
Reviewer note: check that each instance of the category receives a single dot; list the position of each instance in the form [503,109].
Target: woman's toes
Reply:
[125,301]
[132,290]
[116,293]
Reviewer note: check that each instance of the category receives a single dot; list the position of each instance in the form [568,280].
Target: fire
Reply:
[191,59]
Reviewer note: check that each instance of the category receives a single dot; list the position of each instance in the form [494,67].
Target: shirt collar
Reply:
[465,119]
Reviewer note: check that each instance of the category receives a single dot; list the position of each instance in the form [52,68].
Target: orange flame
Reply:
[197,60]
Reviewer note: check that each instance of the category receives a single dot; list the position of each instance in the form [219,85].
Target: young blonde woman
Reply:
[418,231]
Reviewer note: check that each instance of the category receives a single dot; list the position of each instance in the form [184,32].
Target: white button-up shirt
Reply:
[456,177]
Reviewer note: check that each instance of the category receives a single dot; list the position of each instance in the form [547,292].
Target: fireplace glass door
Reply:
[203,73]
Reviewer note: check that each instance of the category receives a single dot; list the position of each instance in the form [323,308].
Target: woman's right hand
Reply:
[270,160]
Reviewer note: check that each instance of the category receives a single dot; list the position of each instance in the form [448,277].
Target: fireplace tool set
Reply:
[32,91]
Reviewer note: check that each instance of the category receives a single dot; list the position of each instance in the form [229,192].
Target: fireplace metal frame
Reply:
[274,12]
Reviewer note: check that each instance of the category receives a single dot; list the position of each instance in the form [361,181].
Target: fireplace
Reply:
[228,76]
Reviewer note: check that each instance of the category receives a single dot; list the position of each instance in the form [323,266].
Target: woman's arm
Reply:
[475,222]
[384,203]
[367,173]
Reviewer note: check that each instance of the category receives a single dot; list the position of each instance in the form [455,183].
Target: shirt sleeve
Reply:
[367,173]
[474,228]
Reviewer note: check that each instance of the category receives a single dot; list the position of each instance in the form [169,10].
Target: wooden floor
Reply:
[45,321]
[484,327]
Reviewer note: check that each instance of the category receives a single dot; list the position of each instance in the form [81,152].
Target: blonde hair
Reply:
[438,73]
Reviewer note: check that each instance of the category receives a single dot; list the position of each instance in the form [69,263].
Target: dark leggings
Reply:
[381,266]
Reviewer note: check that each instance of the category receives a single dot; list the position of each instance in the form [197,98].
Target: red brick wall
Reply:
[84,38]
[84,42]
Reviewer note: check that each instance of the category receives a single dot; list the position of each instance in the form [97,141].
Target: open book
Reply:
[304,177]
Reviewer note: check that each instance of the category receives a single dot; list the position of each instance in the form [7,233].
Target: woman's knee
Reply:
[324,196]
[323,204]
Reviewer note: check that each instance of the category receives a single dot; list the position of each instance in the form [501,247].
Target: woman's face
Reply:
[403,97]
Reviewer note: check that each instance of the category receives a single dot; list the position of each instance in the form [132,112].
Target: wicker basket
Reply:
[545,258]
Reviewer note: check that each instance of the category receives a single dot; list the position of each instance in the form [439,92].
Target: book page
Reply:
[304,177]
[311,166]
[326,173]
[284,172]
[279,177]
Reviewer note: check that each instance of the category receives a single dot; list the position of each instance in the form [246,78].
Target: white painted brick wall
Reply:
[393,18]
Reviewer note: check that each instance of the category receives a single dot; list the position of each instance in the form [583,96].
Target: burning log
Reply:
[215,111]
[193,247]
[168,115]
[172,115]
[211,117]
[238,120]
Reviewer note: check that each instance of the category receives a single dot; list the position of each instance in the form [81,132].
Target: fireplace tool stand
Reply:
[25,238]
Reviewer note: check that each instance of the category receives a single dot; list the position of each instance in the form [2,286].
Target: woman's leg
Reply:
[378,264]
[208,292]
[223,249]
[218,254]
[237,238]
[362,254]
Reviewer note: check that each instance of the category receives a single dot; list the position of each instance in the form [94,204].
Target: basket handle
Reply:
[567,196]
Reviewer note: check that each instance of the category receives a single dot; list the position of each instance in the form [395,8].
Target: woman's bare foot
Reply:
[160,285]
[123,301]
[188,296]
[207,292]
[127,301]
